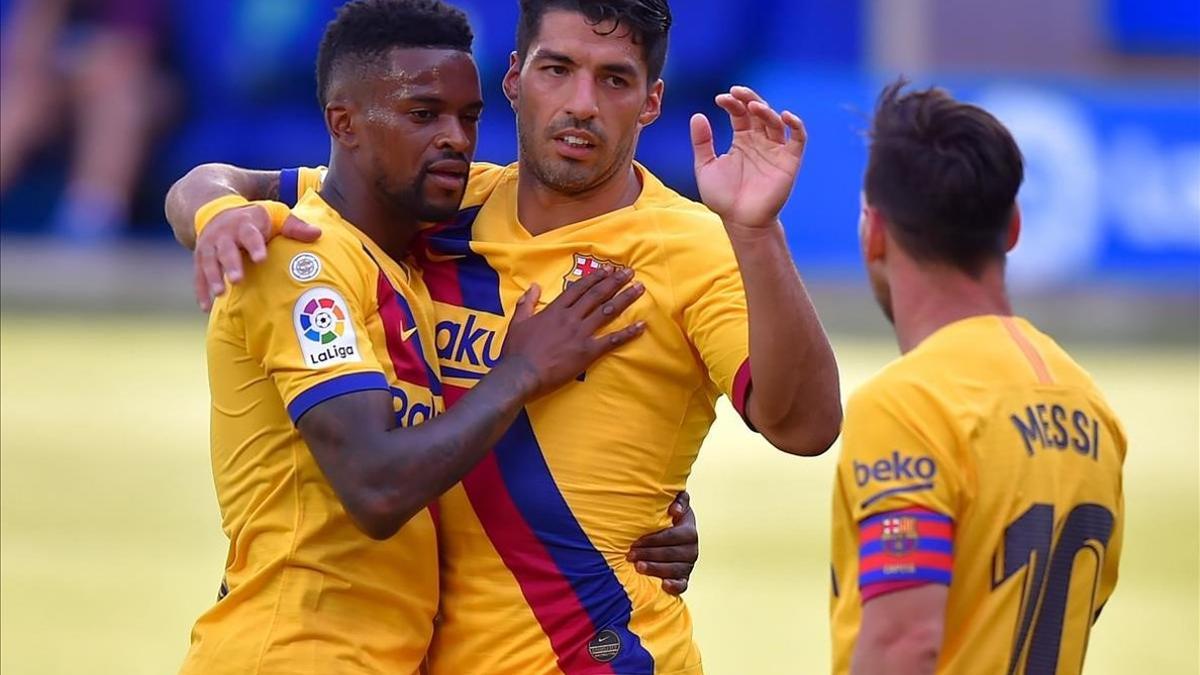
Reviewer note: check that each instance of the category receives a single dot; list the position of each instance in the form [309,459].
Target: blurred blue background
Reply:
[1104,97]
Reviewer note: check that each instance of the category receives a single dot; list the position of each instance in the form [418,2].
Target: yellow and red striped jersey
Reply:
[305,591]
[533,541]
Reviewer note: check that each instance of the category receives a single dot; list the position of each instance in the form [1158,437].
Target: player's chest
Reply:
[475,295]
[401,331]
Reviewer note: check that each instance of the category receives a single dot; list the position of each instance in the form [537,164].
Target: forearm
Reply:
[795,400]
[418,464]
[207,182]
[898,658]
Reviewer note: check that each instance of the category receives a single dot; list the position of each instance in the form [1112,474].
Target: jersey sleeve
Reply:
[294,183]
[708,286]
[303,313]
[902,490]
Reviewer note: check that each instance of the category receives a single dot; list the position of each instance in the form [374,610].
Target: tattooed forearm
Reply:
[384,478]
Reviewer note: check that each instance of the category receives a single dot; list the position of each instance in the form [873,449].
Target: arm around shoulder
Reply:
[207,182]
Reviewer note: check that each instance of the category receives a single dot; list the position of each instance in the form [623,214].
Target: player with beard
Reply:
[536,572]
[328,441]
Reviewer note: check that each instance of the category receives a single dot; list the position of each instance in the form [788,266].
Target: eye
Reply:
[421,115]
[471,118]
[616,82]
[556,70]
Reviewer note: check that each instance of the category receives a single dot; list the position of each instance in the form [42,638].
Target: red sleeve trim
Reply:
[740,394]
[884,587]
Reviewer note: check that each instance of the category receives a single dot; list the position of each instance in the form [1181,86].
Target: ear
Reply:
[512,80]
[339,120]
[1014,229]
[874,235]
[653,106]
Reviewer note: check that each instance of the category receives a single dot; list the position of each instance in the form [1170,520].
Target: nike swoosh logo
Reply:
[405,334]
[436,257]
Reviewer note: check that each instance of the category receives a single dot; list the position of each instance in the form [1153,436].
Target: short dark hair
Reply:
[368,29]
[944,174]
[648,20]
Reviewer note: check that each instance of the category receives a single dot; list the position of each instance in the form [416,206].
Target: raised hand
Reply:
[558,343]
[231,232]
[748,185]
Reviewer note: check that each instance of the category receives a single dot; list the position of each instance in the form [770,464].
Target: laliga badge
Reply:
[325,330]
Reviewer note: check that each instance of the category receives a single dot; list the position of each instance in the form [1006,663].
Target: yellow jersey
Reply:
[305,591]
[986,460]
[533,540]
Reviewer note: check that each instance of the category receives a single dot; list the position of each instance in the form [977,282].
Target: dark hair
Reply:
[944,174]
[648,20]
[368,29]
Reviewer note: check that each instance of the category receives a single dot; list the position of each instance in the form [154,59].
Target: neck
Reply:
[359,203]
[930,297]
[541,209]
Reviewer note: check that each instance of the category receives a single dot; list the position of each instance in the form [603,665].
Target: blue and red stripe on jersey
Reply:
[570,588]
[407,355]
[454,273]
[904,548]
[567,582]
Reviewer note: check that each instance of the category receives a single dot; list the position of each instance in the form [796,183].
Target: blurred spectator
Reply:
[85,68]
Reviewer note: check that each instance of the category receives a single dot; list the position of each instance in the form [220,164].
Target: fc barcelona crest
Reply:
[583,265]
[899,535]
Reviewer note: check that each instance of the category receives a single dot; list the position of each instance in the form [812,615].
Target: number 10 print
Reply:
[1028,544]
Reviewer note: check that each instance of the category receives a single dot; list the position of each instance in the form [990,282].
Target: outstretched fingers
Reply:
[703,150]
[739,116]
[768,122]
[799,135]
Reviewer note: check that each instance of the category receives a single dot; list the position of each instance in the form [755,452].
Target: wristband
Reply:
[206,213]
[277,211]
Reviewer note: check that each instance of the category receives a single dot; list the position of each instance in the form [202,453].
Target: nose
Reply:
[454,136]
[583,103]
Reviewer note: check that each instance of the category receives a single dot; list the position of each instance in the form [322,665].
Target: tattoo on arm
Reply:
[385,475]
[207,182]
[268,184]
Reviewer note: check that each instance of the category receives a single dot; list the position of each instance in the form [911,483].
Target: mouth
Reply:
[574,143]
[448,174]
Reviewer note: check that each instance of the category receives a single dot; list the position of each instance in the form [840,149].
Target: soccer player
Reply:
[977,509]
[328,438]
[536,575]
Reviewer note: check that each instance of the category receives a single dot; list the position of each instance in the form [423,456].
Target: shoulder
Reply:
[337,246]
[885,389]
[686,228]
[336,260]
[484,179]
[904,392]
[1069,372]
[1062,364]
[676,212]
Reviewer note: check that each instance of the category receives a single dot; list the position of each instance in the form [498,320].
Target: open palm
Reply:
[749,184]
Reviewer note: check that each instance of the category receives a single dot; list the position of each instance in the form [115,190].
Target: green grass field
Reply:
[111,544]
